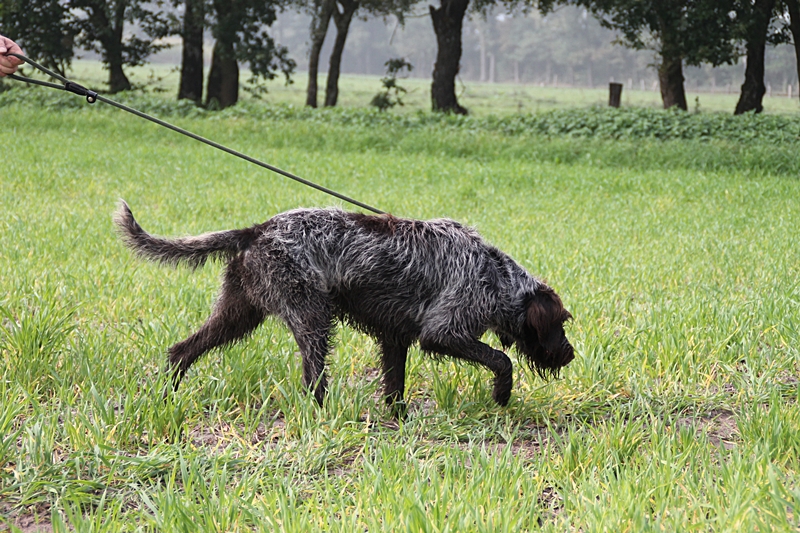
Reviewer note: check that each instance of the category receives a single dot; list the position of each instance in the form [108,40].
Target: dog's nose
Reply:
[569,353]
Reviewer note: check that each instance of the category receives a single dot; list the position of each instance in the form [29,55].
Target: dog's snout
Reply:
[567,352]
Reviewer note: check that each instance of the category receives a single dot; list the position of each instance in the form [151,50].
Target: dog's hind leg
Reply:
[394,374]
[311,320]
[474,351]
[233,318]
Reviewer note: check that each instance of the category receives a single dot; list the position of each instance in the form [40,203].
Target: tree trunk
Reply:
[670,70]
[794,25]
[447,21]
[110,38]
[342,20]
[319,29]
[223,78]
[191,86]
[482,49]
[670,77]
[753,88]
[117,80]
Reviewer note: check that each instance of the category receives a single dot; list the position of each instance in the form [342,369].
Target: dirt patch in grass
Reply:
[33,520]
[220,436]
[551,502]
[718,425]
[528,446]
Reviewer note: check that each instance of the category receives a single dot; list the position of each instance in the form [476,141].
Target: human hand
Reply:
[8,64]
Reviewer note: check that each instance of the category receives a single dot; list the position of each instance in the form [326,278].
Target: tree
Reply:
[321,12]
[756,17]
[239,28]
[448,21]
[42,28]
[342,12]
[793,9]
[191,84]
[341,19]
[101,29]
[679,31]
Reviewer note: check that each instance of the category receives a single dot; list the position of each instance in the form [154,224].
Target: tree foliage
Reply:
[342,12]
[50,30]
[679,31]
[101,27]
[700,31]
[42,28]
[240,30]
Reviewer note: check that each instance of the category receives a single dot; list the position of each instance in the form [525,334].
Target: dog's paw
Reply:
[502,396]
[398,410]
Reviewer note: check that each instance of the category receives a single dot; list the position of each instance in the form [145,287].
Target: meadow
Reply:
[481,98]
[677,255]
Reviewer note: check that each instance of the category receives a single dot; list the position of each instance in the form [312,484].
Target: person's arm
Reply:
[8,64]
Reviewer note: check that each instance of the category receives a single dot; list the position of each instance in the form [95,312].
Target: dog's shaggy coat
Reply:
[398,280]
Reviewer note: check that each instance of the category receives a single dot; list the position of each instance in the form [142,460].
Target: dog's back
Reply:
[391,275]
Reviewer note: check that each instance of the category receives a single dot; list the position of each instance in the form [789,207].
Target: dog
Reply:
[398,280]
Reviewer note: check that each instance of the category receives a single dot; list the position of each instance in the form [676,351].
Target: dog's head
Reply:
[542,341]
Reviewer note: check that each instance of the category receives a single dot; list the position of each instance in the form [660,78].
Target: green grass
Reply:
[678,259]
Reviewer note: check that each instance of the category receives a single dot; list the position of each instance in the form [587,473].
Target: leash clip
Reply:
[80,90]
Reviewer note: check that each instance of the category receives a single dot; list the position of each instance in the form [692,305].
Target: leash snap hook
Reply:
[80,90]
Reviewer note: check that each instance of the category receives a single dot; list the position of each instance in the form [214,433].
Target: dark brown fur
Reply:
[401,281]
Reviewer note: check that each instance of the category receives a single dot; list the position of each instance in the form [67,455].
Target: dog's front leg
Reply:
[394,375]
[477,352]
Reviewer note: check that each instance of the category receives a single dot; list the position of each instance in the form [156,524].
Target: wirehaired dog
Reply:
[398,280]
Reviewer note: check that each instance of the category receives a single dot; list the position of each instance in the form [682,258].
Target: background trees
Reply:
[525,41]
[342,12]
[240,31]
[100,27]
[690,31]
[126,32]
[754,24]
[50,30]
[448,20]
[321,12]
[42,28]
[791,16]
[191,84]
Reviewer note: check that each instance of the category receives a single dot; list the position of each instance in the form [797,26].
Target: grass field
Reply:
[678,259]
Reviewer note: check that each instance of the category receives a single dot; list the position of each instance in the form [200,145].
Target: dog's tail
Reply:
[192,251]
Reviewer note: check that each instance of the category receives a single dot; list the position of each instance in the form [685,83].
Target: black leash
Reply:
[92,97]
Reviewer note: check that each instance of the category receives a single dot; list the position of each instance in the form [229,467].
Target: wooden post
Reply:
[614,94]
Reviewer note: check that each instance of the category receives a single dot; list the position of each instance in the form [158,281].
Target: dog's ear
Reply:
[545,310]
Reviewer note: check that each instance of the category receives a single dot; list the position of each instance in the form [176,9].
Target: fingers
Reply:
[8,64]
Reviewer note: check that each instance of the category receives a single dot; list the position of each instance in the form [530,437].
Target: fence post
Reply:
[614,94]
